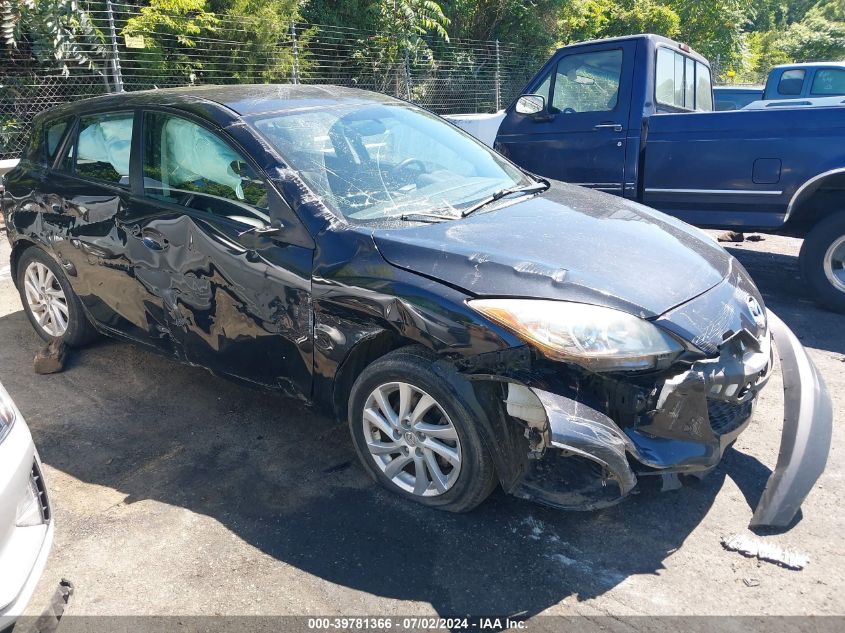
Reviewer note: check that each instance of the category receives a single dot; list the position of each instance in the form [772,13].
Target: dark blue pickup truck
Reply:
[633,116]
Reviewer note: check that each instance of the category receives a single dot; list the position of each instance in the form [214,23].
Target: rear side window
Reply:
[791,82]
[829,81]
[682,82]
[101,148]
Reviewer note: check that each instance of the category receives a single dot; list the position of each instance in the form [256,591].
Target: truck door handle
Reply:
[153,240]
[616,127]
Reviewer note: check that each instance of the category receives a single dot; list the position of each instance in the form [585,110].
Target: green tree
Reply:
[591,19]
[256,40]
[401,41]
[170,29]
[54,32]
[820,35]
[715,28]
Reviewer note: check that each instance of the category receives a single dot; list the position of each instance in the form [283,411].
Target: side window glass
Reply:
[53,134]
[187,164]
[101,148]
[677,83]
[703,88]
[791,82]
[829,81]
[543,88]
[665,77]
[689,83]
[588,82]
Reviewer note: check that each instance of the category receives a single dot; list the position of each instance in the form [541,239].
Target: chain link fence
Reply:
[445,77]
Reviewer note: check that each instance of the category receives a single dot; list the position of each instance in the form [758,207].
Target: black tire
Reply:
[79,329]
[476,478]
[812,260]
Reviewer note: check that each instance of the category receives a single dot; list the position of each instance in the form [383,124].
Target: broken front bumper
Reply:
[685,432]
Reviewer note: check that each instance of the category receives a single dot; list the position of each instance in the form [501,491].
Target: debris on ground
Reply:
[751,582]
[731,236]
[754,547]
[754,238]
[50,359]
[670,481]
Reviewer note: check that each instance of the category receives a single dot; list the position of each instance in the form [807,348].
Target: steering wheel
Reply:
[409,163]
[569,110]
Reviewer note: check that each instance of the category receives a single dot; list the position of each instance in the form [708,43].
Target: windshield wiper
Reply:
[426,217]
[501,193]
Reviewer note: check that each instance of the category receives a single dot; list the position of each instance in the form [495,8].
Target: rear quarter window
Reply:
[45,140]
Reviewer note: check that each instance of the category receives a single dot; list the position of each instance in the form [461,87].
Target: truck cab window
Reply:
[682,82]
[703,88]
[587,82]
[791,82]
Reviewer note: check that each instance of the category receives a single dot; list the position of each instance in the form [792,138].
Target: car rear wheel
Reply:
[823,261]
[416,436]
[49,301]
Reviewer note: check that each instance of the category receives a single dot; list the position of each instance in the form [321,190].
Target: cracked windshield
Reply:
[388,161]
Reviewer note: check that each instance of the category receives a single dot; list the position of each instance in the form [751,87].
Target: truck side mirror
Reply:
[530,104]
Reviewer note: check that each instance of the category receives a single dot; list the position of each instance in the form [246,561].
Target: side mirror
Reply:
[530,104]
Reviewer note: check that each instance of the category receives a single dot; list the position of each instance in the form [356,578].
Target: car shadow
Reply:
[778,277]
[287,482]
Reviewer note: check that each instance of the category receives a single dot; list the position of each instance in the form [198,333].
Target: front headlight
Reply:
[597,338]
[7,413]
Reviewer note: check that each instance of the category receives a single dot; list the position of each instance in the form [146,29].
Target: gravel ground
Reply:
[177,492]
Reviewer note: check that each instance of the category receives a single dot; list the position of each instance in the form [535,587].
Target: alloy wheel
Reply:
[834,264]
[46,299]
[411,439]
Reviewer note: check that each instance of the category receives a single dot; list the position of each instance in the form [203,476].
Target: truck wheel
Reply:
[415,435]
[822,262]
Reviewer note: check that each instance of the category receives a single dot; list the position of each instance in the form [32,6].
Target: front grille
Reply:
[727,416]
[38,480]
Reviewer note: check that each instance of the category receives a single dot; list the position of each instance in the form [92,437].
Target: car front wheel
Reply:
[416,436]
[823,261]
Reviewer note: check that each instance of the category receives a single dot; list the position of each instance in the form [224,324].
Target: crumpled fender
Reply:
[579,429]
[806,435]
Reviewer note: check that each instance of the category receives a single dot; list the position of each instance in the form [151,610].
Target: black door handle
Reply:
[153,240]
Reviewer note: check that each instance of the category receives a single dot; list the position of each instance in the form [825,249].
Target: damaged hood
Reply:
[570,244]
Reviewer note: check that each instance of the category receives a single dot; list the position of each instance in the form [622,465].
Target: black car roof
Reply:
[239,99]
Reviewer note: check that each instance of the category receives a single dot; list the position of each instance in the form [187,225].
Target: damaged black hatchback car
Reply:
[474,324]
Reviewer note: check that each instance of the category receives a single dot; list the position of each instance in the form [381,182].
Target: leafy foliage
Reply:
[404,27]
[170,29]
[744,38]
[592,19]
[55,32]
